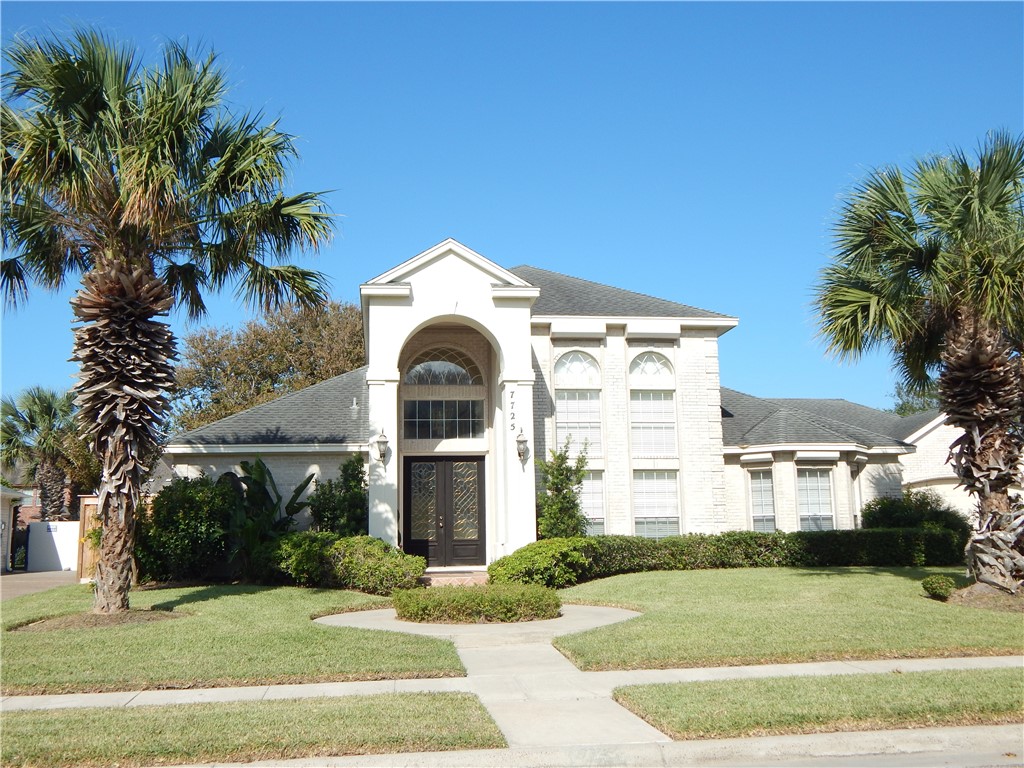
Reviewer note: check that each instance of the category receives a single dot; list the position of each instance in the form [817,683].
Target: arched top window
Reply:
[578,370]
[443,366]
[651,369]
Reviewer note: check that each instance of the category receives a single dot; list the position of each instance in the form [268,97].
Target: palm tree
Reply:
[140,181]
[35,426]
[931,265]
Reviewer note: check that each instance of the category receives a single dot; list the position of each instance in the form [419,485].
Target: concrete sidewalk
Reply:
[553,714]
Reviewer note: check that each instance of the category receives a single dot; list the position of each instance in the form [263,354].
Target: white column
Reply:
[383,476]
[517,495]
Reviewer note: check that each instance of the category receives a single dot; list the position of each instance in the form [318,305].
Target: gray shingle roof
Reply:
[564,295]
[333,411]
[749,420]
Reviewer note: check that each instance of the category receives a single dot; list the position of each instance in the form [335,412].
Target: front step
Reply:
[446,577]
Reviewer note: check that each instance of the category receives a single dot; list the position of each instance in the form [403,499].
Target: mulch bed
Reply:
[97,620]
[988,598]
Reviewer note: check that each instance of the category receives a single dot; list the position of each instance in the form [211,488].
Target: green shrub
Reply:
[559,515]
[184,536]
[550,562]
[374,566]
[486,603]
[915,509]
[305,557]
[732,549]
[342,506]
[938,587]
[612,555]
[259,518]
[878,547]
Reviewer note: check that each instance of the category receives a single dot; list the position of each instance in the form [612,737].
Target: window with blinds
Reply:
[578,404]
[655,503]
[578,420]
[762,500]
[652,423]
[814,499]
[592,502]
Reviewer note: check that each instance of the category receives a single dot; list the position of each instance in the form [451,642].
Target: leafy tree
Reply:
[931,265]
[342,506]
[36,427]
[141,182]
[559,514]
[910,400]
[222,372]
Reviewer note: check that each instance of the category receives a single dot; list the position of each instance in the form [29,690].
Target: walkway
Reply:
[553,714]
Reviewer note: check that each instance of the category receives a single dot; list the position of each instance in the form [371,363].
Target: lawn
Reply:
[200,733]
[777,615]
[744,708]
[224,636]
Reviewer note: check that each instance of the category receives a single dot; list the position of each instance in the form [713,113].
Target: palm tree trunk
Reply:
[982,392]
[125,365]
[50,479]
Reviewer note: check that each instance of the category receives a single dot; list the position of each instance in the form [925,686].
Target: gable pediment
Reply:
[453,258]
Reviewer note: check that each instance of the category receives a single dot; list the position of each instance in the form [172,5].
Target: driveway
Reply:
[18,583]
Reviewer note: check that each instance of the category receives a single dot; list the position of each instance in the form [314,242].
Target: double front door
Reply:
[444,509]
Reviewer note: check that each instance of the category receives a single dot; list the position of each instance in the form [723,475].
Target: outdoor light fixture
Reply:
[521,442]
[382,446]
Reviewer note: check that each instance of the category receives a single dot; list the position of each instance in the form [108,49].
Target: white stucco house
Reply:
[474,371]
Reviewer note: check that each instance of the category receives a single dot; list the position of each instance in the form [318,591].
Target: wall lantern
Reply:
[381,444]
[521,443]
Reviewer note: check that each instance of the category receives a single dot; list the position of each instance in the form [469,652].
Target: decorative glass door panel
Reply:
[444,510]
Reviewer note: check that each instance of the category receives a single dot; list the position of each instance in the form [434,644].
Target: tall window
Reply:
[459,413]
[652,411]
[655,503]
[592,502]
[814,499]
[762,500]
[578,403]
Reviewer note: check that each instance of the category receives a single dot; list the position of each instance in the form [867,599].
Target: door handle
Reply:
[440,522]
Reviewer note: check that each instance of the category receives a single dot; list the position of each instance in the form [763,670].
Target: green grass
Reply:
[200,733]
[744,708]
[776,615]
[227,635]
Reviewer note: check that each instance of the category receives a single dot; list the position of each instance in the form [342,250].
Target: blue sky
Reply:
[698,152]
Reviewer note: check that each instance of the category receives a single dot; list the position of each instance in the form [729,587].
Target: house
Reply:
[474,371]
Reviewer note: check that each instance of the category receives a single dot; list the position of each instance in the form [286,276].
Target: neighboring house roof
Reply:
[561,295]
[749,420]
[333,411]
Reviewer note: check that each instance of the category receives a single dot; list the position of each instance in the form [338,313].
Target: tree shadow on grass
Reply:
[209,592]
[912,573]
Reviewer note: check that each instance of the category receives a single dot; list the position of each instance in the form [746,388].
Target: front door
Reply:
[444,509]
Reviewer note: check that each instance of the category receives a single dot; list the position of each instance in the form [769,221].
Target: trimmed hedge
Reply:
[550,562]
[473,604]
[374,566]
[323,559]
[564,562]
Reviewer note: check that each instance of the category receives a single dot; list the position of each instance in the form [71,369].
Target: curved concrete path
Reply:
[553,714]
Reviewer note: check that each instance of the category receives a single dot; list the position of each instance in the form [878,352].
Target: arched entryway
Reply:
[446,416]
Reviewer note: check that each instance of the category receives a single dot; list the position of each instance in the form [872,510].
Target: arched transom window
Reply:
[454,412]
[651,369]
[443,366]
[577,369]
